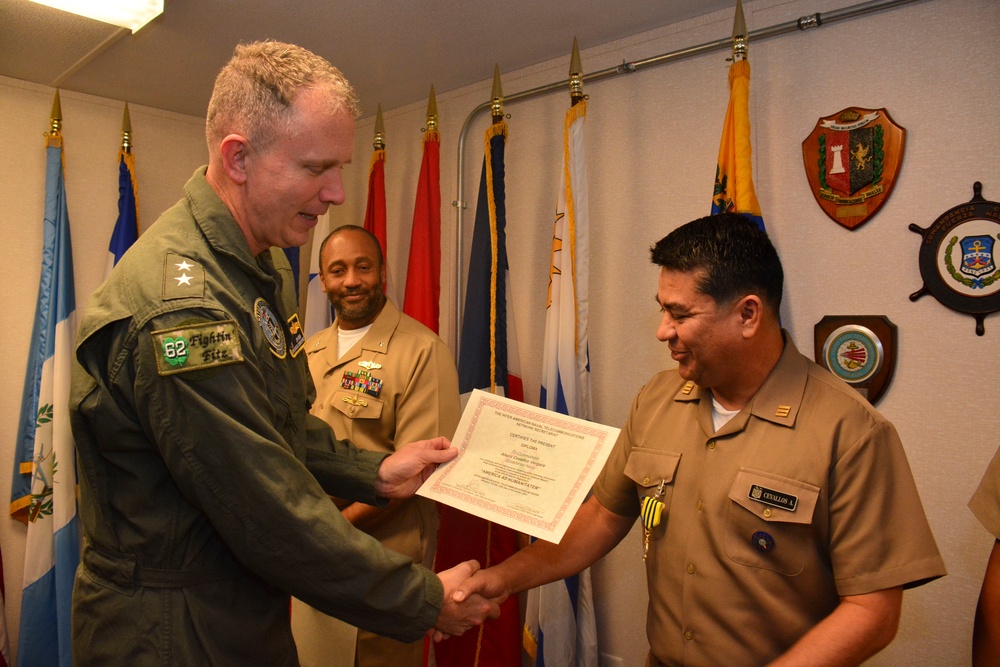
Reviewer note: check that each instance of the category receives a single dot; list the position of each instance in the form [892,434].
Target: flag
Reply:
[423,271]
[375,210]
[560,626]
[488,361]
[734,191]
[319,312]
[127,226]
[292,255]
[44,485]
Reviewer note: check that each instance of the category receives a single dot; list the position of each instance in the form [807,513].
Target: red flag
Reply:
[375,211]
[423,271]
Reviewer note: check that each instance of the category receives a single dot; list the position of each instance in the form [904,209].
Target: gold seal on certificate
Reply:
[523,467]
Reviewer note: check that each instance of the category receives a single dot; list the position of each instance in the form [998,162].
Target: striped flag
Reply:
[44,485]
[319,312]
[423,271]
[734,191]
[488,361]
[560,626]
[127,225]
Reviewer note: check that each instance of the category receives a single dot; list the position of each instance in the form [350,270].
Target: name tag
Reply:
[785,501]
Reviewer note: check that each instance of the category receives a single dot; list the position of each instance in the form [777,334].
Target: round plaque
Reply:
[853,353]
[958,258]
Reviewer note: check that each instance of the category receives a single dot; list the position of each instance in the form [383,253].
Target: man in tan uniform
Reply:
[985,504]
[382,380]
[764,484]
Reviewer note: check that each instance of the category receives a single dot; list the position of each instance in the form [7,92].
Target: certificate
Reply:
[523,467]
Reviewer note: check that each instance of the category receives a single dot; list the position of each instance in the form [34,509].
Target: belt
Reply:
[123,569]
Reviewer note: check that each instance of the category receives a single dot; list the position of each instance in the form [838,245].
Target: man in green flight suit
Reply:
[204,481]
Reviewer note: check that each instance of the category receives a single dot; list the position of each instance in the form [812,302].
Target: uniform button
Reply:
[690,568]
[767,512]
[711,444]
[353,410]
[688,634]
[645,480]
[699,506]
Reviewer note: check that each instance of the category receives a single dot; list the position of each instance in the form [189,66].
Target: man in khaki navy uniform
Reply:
[204,481]
[382,379]
[985,504]
[780,518]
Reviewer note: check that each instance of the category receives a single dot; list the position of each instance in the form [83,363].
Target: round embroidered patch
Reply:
[271,326]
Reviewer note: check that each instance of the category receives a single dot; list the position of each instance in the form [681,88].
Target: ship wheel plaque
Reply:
[958,258]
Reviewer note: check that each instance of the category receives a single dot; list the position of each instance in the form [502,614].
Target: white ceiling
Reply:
[391,50]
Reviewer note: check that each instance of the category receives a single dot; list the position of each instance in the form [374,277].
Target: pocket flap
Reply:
[773,497]
[650,467]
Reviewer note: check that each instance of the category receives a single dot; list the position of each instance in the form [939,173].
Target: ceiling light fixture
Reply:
[131,14]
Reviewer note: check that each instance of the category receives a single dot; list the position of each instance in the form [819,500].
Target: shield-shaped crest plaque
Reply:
[852,160]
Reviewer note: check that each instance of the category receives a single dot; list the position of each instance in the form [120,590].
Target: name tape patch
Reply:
[785,501]
[202,345]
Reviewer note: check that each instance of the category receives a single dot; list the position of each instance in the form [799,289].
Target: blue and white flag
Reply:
[319,312]
[560,625]
[126,230]
[44,485]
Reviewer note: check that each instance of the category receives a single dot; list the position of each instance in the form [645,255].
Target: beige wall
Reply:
[652,145]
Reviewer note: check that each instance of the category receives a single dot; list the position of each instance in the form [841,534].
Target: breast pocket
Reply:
[770,521]
[355,405]
[653,472]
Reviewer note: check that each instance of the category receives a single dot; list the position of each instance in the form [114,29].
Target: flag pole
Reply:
[496,104]
[55,120]
[740,35]
[126,131]
[378,143]
[575,76]
[432,112]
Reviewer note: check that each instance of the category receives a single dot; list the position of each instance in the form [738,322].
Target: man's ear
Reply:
[234,150]
[751,310]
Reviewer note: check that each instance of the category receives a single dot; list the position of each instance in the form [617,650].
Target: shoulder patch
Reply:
[196,346]
[182,278]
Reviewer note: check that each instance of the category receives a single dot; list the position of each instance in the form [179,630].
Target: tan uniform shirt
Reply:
[985,502]
[410,393]
[804,496]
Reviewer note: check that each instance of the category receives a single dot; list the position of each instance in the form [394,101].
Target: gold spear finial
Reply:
[56,116]
[497,106]
[379,143]
[739,33]
[432,112]
[575,75]
[126,131]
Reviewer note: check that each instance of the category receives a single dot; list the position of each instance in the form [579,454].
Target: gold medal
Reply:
[652,511]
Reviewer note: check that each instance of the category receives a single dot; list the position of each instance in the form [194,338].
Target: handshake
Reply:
[471,596]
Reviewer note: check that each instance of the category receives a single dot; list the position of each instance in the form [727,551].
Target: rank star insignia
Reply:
[182,278]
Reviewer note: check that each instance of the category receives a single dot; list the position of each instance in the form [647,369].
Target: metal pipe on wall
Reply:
[809,21]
